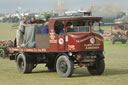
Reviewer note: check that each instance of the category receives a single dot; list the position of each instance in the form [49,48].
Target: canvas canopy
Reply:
[29,36]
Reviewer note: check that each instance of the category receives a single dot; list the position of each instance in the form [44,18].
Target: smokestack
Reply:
[59,4]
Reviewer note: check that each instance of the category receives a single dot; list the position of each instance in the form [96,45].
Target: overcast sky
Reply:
[12,5]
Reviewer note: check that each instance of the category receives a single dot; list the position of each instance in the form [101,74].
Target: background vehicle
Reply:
[70,41]
[120,32]
[3,48]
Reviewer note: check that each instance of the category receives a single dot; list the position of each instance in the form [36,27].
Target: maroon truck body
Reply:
[70,42]
[62,51]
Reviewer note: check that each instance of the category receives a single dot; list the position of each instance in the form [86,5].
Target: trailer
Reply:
[78,45]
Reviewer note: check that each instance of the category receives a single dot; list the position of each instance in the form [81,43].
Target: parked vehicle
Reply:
[3,48]
[120,32]
[78,44]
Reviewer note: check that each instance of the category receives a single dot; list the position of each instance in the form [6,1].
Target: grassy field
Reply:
[6,33]
[116,72]
[106,27]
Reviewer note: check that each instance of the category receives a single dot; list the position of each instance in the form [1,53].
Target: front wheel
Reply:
[64,66]
[22,64]
[97,68]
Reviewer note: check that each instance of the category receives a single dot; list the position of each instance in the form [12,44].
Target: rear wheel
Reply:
[64,66]
[97,68]
[22,64]
[2,53]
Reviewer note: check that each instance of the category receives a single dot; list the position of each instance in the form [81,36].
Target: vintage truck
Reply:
[78,45]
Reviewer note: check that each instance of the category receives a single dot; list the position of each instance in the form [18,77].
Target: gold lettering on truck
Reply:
[52,37]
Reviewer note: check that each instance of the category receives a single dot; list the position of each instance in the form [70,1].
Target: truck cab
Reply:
[74,34]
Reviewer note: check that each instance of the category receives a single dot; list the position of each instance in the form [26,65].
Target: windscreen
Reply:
[95,27]
[78,26]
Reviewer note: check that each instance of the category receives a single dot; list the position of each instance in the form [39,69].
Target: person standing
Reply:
[20,32]
[45,28]
[33,21]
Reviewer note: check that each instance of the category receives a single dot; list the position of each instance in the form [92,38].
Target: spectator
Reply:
[45,28]
[61,30]
[69,27]
[32,20]
[20,32]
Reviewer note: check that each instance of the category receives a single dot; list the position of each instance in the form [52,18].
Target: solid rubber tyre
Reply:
[97,68]
[64,66]
[22,65]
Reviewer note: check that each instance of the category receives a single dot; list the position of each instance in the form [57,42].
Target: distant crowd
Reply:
[10,19]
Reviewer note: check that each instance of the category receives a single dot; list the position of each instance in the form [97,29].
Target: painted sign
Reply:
[82,40]
[71,47]
[92,46]
[52,37]
[61,41]
[27,49]
[92,40]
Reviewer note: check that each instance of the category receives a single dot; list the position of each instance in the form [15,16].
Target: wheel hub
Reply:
[63,66]
[21,64]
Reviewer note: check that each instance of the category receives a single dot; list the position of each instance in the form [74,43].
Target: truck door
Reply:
[59,30]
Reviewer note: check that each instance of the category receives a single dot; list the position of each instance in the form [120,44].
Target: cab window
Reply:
[59,27]
[96,27]
[78,26]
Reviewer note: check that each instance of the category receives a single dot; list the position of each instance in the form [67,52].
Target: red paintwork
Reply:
[82,42]
[71,42]
[35,50]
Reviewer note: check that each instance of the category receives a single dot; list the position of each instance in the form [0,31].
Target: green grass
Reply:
[106,27]
[6,33]
[116,72]
[117,44]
